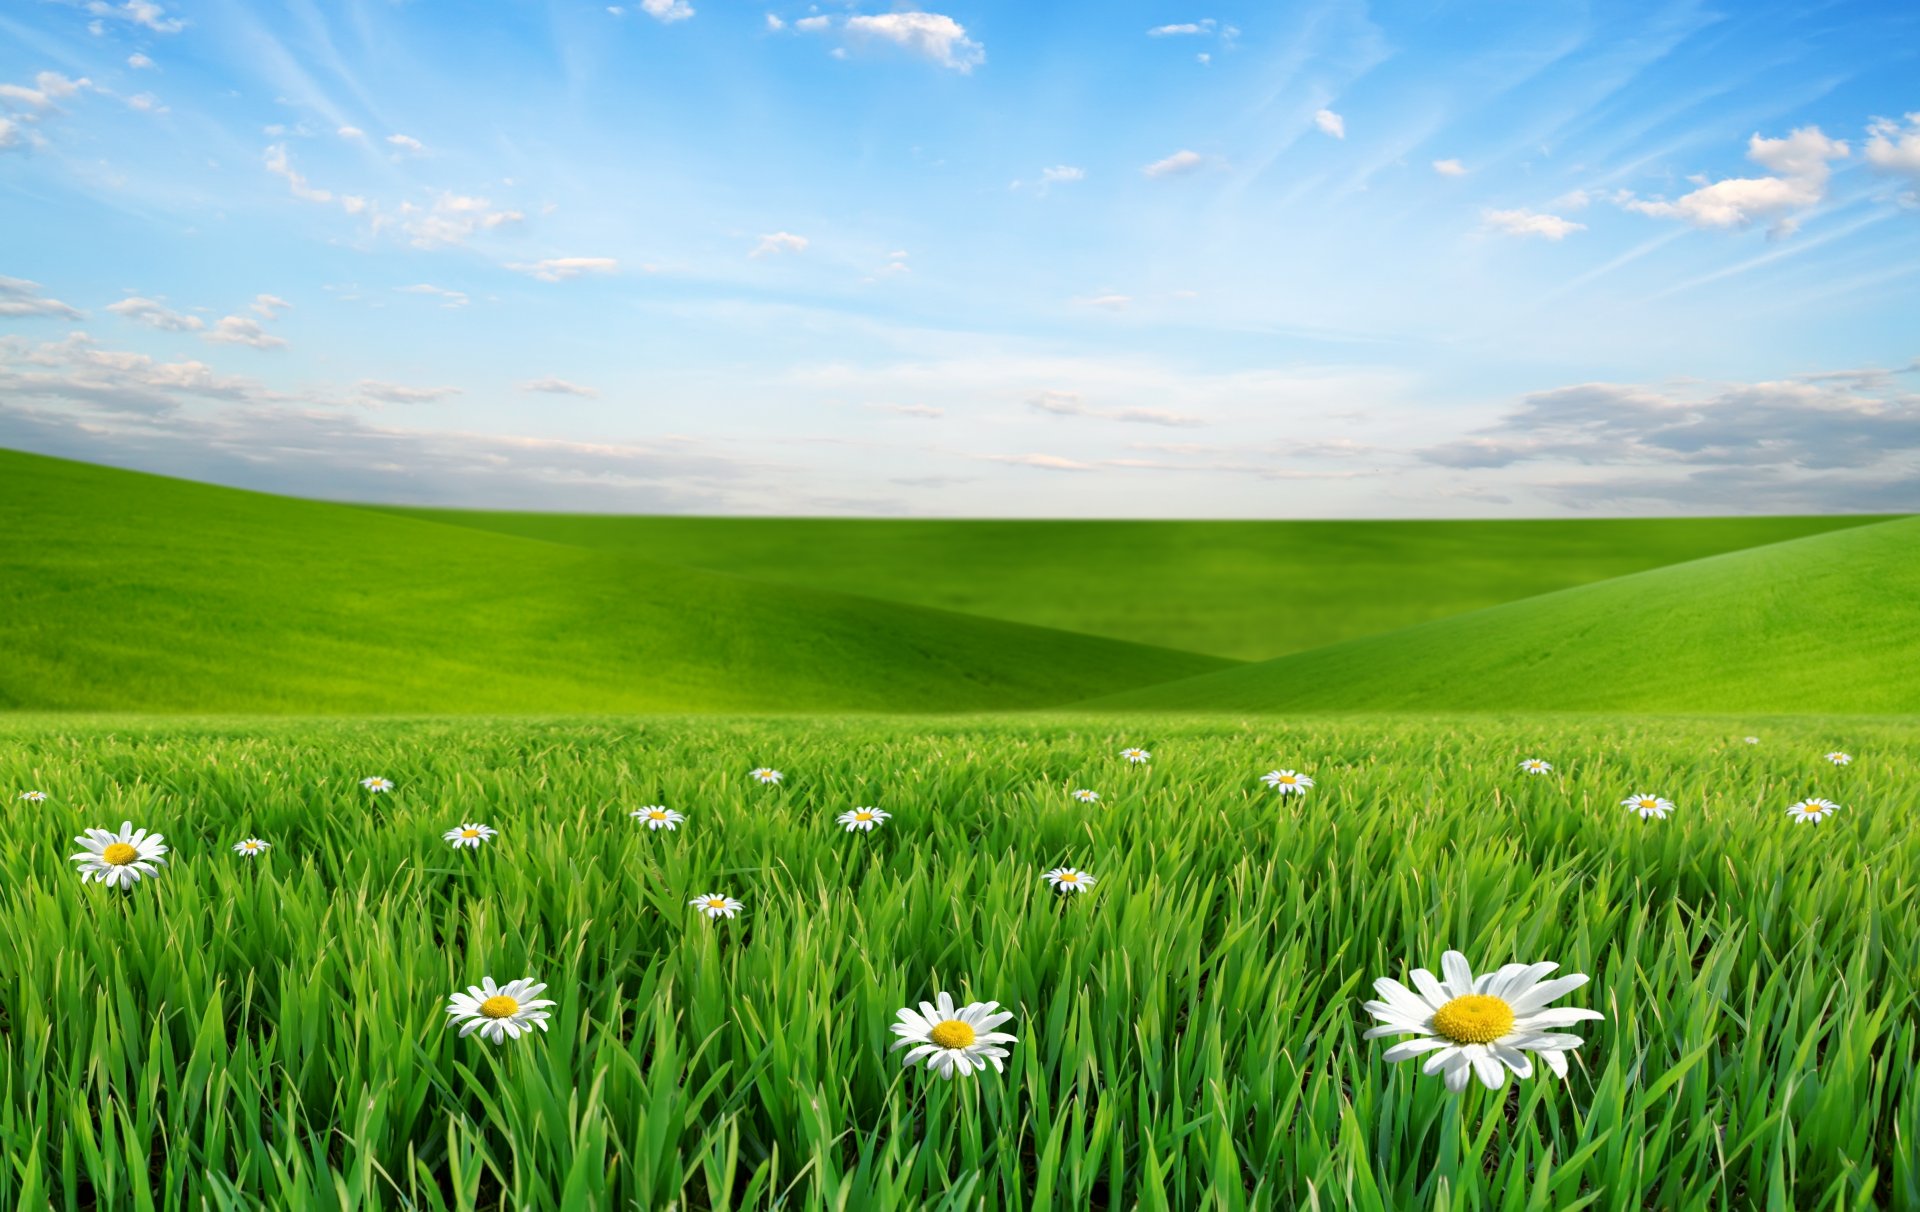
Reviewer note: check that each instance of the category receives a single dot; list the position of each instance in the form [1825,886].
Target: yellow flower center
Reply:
[1476,1018]
[656,816]
[863,816]
[119,854]
[951,1034]
[1069,878]
[469,833]
[499,1006]
[716,902]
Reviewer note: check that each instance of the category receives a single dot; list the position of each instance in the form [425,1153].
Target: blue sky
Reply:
[1105,259]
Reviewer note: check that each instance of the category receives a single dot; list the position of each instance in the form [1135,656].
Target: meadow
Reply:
[270,1032]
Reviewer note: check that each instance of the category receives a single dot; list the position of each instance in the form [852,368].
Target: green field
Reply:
[269,1033]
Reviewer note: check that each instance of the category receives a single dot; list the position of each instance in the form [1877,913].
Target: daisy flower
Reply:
[1653,806]
[953,1039]
[1840,759]
[1287,782]
[1479,1028]
[377,785]
[767,774]
[1812,810]
[1136,756]
[469,836]
[1068,879]
[715,905]
[251,847]
[863,819]
[119,859]
[1087,797]
[500,1012]
[1753,740]
[657,817]
[1536,766]
[34,797]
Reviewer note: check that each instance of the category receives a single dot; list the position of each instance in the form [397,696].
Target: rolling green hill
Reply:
[133,592]
[1246,590]
[1829,623]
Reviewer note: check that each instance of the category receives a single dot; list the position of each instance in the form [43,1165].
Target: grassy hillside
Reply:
[133,592]
[1247,590]
[1823,624]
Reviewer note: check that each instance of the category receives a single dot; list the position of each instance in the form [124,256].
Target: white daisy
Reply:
[1136,756]
[500,1012]
[119,859]
[1068,879]
[1287,782]
[767,774]
[1840,759]
[715,905]
[377,784]
[469,836]
[656,817]
[34,797]
[1536,766]
[251,847]
[1479,1028]
[1753,740]
[1812,811]
[1086,797]
[863,819]
[1648,806]
[953,1039]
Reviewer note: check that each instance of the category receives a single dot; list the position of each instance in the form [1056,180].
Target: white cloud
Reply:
[395,393]
[1203,59]
[279,165]
[1330,123]
[1530,223]
[1799,164]
[939,38]
[11,137]
[923,411]
[48,87]
[143,13]
[1044,462]
[452,219]
[1110,302]
[270,306]
[667,11]
[775,23]
[777,243]
[813,25]
[553,386]
[155,314]
[351,132]
[1179,163]
[136,59]
[1203,26]
[19,297]
[146,103]
[559,269]
[450,298]
[1061,173]
[1894,149]
[1450,168]
[242,330]
[407,143]
[1069,404]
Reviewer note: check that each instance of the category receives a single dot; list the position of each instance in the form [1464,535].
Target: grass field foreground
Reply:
[240,1033]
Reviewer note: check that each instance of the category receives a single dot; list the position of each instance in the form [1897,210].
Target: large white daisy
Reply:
[251,847]
[654,816]
[1136,756]
[1287,782]
[952,1039]
[377,785]
[862,819]
[1652,807]
[1812,811]
[1069,879]
[1479,1027]
[716,905]
[119,860]
[469,835]
[500,1012]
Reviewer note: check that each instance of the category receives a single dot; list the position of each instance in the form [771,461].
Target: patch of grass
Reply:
[240,1033]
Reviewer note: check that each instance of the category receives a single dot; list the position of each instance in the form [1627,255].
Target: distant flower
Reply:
[34,797]
[469,836]
[1812,811]
[657,817]
[1536,766]
[1648,806]
[377,785]
[1287,782]
[1840,759]
[1068,879]
[1753,740]
[862,819]
[951,1039]
[1136,756]
[251,847]
[767,774]
[1479,1028]
[119,859]
[1087,797]
[715,905]
[500,1012]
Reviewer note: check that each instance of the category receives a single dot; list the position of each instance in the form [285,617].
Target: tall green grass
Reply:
[269,1033]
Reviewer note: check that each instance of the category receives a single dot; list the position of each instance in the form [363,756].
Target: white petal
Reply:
[1458,972]
[1431,989]
[1557,1016]
[1513,1059]
[1544,992]
[1408,1049]
[1492,1073]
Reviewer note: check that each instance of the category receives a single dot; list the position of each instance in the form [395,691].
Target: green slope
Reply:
[1247,590]
[1829,623]
[133,592]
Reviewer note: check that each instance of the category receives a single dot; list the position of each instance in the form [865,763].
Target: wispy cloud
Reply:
[155,314]
[560,269]
[1178,164]
[1330,123]
[1522,222]
[932,35]
[1069,404]
[553,386]
[779,242]
[19,297]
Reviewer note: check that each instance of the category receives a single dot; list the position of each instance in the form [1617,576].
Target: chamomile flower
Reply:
[1287,782]
[499,1012]
[1068,879]
[1481,1027]
[653,816]
[1752,740]
[716,905]
[862,819]
[377,785]
[1087,797]
[767,775]
[34,797]
[1840,759]
[953,1040]
[1536,766]
[251,847]
[119,860]
[1812,811]
[1136,756]
[469,836]
[1648,806]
